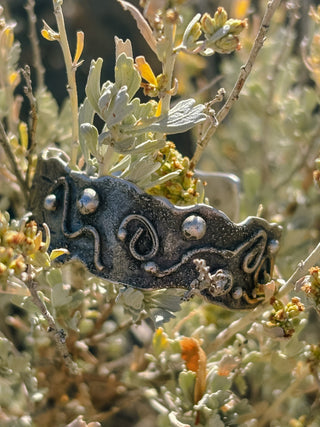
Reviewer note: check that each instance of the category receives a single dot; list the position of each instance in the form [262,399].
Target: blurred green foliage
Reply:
[143,358]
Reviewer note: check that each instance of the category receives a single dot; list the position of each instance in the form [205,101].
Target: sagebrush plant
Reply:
[76,350]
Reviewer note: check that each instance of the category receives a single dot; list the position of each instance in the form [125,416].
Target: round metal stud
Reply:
[50,202]
[88,201]
[237,293]
[194,227]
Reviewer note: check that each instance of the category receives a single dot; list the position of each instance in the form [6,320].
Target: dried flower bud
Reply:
[195,33]
[208,24]
[172,16]
[220,17]
[236,26]
[227,44]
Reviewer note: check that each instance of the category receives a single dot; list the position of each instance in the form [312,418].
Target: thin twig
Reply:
[34,118]
[71,75]
[240,324]
[4,141]
[302,270]
[243,75]
[37,62]
[58,334]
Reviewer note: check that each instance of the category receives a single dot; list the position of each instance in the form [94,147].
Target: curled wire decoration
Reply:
[88,229]
[255,255]
[255,258]
[122,234]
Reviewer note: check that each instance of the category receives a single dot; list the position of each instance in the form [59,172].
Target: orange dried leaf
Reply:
[190,353]
[145,70]
[80,45]
[196,361]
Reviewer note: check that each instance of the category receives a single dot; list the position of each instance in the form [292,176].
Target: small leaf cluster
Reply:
[183,188]
[221,33]
[133,133]
[284,317]
[20,245]
[159,305]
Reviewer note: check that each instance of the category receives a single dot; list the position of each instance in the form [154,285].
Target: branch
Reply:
[37,62]
[4,141]
[58,334]
[243,75]
[34,118]
[71,75]
[236,326]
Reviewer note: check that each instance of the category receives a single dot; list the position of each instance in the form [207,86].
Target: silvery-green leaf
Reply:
[120,107]
[169,299]
[60,296]
[125,146]
[93,83]
[182,117]
[142,168]
[105,99]
[131,297]
[86,112]
[187,382]
[149,146]
[121,165]
[143,110]
[89,133]
[218,382]
[185,39]
[129,145]
[86,115]
[54,276]
[162,179]
[127,75]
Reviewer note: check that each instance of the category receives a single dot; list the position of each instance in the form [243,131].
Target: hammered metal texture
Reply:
[129,237]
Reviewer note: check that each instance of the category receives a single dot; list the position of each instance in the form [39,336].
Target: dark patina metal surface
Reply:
[129,237]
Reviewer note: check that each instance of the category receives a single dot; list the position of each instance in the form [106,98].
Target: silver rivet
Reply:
[237,293]
[50,202]
[194,227]
[122,234]
[88,201]
[151,267]
[273,247]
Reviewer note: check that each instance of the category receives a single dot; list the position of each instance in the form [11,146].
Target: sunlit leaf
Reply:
[145,70]
[79,48]
[93,83]
[127,75]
